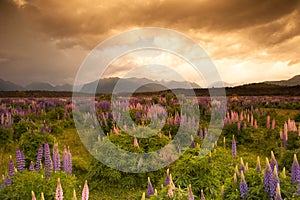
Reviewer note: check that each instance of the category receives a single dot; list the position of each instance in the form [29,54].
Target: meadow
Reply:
[255,157]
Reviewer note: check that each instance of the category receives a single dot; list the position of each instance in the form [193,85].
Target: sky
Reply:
[248,41]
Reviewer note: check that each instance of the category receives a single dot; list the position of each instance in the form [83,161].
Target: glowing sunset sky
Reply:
[249,40]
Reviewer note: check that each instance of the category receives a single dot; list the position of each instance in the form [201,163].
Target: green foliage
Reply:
[6,136]
[30,143]
[27,181]
[19,129]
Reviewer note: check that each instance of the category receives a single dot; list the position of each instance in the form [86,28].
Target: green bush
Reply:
[30,143]
[27,181]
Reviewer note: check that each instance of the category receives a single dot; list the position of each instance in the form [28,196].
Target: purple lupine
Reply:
[267,176]
[85,191]
[150,190]
[243,187]
[11,167]
[233,147]
[295,171]
[274,182]
[39,159]
[201,134]
[273,162]
[65,160]
[193,145]
[190,194]
[56,158]
[167,181]
[8,181]
[258,167]
[48,163]
[20,160]
[70,162]
[59,191]
[31,166]
[242,166]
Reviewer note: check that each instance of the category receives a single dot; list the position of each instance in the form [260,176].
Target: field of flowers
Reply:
[255,157]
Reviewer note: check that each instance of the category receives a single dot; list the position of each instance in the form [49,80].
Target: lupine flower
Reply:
[32,196]
[236,171]
[85,191]
[155,192]
[273,161]
[255,124]
[150,189]
[201,135]
[74,195]
[190,194]
[267,176]
[193,145]
[172,183]
[222,190]
[202,195]
[2,182]
[59,191]
[31,166]
[39,158]
[295,170]
[179,192]
[56,158]
[278,193]
[209,158]
[170,191]
[224,142]
[235,178]
[135,142]
[242,167]
[283,173]
[258,167]
[273,124]
[167,181]
[233,147]
[65,160]
[11,167]
[8,181]
[143,196]
[268,122]
[243,187]
[48,163]
[42,196]
[70,165]
[20,160]
[274,182]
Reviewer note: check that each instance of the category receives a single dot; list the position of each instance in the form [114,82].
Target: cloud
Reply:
[40,38]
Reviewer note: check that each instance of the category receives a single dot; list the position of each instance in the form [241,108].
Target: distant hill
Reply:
[290,82]
[40,86]
[9,86]
[108,85]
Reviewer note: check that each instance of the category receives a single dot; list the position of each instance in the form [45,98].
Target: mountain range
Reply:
[108,85]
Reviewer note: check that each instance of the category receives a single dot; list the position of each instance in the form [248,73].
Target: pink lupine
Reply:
[273,124]
[255,124]
[135,142]
[32,196]
[85,191]
[59,191]
[268,122]
[190,194]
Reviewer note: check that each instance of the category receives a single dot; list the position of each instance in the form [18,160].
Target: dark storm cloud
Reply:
[84,23]
[41,38]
